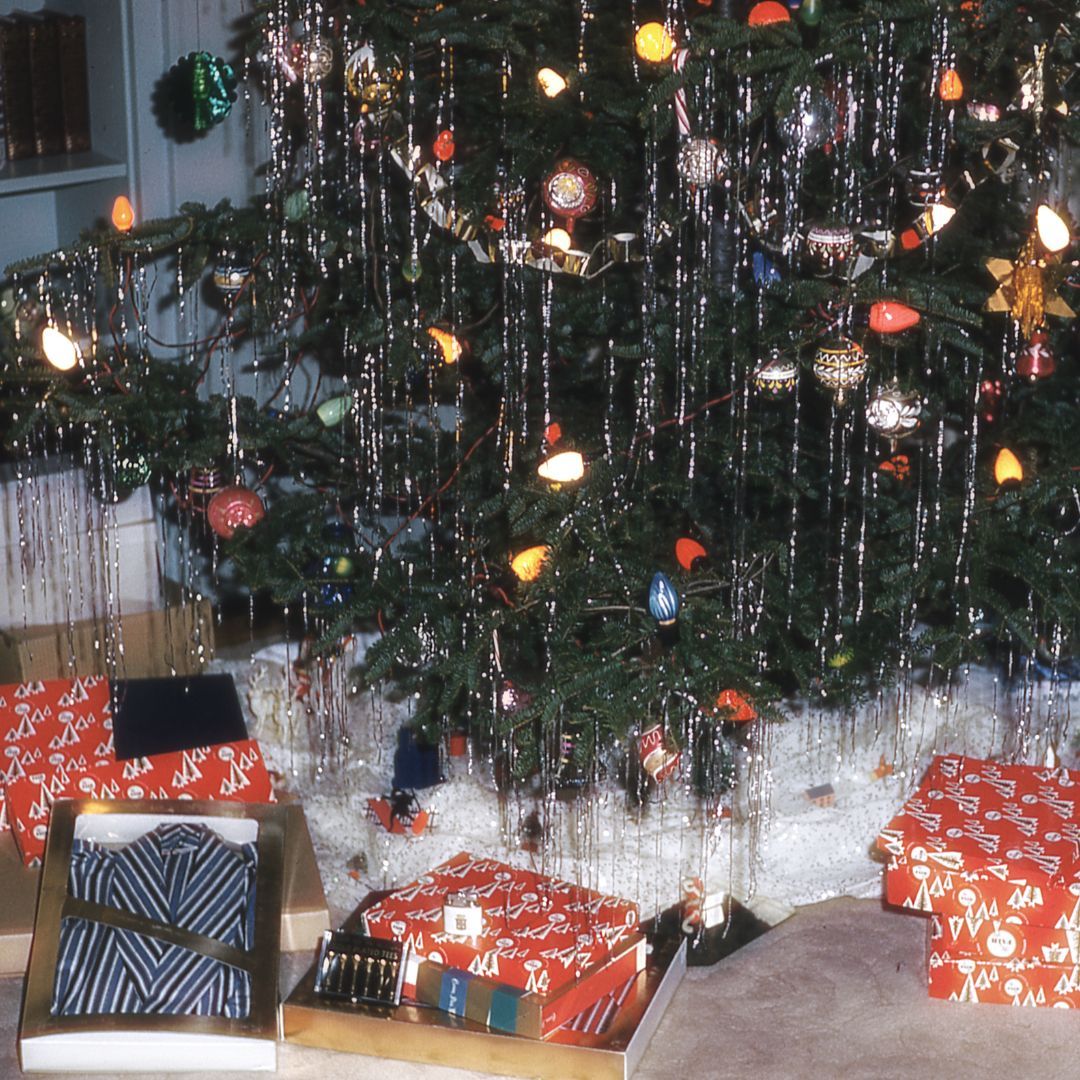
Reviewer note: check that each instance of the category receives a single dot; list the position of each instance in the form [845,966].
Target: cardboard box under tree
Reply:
[166,641]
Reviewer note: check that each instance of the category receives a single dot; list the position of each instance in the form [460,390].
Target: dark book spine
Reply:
[74,90]
[15,88]
[45,96]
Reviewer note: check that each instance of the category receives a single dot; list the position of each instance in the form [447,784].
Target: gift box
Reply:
[538,934]
[304,914]
[156,938]
[502,1007]
[58,742]
[989,840]
[999,940]
[1020,981]
[605,1042]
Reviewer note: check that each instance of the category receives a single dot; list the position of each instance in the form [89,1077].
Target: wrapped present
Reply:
[988,840]
[234,772]
[1003,982]
[998,940]
[538,934]
[52,726]
[506,1008]
[60,739]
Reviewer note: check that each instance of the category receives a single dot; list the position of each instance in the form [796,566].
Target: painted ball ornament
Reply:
[777,376]
[570,189]
[373,84]
[892,412]
[232,270]
[830,247]
[1036,360]
[204,482]
[701,162]
[840,367]
[233,508]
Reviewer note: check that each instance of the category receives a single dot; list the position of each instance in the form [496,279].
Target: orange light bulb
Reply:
[449,345]
[1007,467]
[123,213]
[951,86]
[527,564]
[687,552]
[768,13]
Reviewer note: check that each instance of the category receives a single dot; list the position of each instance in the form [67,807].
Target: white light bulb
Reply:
[938,215]
[1053,232]
[59,349]
[558,238]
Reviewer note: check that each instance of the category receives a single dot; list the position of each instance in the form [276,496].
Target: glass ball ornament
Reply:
[840,367]
[701,162]
[777,376]
[204,482]
[130,470]
[375,85]
[570,189]
[232,270]
[812,121]
[924,186]
[892,412]
[233,508]
[653,43]
[1036,360]
[830,247]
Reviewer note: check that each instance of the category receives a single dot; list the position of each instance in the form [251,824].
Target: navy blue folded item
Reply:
[181,876]
[157,716]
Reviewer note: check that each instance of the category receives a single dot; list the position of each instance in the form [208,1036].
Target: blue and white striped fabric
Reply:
[181,874]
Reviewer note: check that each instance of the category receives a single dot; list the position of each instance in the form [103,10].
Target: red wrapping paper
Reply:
[57,743]
[999,940]
[538,933]
[1029,982]
[988,840]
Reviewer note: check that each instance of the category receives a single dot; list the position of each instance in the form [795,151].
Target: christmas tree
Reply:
[669,361]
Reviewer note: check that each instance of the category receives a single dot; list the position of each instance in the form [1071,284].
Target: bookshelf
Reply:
[46,202]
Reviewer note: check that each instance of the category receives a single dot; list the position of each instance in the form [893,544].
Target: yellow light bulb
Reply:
[653,43]
[527,564]
[450,346]
[59,349]
[1007,467]
[551,82]
[558,238]
[1053,232]
[562,468]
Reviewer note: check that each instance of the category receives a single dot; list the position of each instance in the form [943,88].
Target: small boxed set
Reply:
[156,940]
[992,852]
[605,1040]
[359,969]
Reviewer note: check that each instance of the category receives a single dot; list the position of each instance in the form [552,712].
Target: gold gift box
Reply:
[304,914]
[132,1042]
[428,1035]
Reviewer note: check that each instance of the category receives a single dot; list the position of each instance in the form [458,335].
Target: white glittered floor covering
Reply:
[777,844]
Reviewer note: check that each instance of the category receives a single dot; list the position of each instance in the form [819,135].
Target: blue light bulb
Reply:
[663,599]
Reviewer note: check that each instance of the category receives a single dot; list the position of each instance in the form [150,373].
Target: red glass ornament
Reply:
[892,317]
[1036,361]
[991,393]
[688,552]
[570,189]
[443,147]
[234,508]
